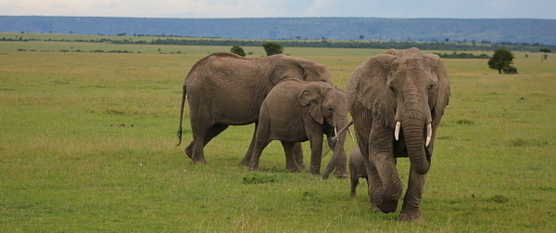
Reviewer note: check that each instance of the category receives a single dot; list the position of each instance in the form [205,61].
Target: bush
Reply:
[502,59]
[509,70]
[238,50]
[273,48]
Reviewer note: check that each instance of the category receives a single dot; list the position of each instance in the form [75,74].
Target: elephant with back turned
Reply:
[297,111]
[397,100]
[224,89]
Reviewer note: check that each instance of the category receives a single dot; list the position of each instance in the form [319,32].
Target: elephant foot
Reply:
[387,206]
[315,173]
[315,170]
[410,217]
[189,152]
[293,169]
[341,175]
[244,163]
[375,209]
[202,161]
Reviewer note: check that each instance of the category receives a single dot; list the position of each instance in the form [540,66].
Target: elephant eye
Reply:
[430,87]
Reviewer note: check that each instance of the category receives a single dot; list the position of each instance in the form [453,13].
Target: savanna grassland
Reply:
[88,145]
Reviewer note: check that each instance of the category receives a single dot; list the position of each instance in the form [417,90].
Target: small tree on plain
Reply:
[544,51]
[238,50]
[273,48]
[502,61]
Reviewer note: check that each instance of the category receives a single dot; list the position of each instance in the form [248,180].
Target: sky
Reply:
[463,9]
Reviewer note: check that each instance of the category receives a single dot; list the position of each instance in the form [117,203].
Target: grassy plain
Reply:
[88,145]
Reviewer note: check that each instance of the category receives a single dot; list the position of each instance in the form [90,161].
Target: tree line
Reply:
[435,45]
[369,44]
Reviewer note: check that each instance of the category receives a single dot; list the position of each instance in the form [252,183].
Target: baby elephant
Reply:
[356,169]
[297,111]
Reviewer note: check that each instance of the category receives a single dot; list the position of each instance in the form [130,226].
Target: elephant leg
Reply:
[340,171]
[298,153]
[381,156]
[354,178]
[412,200]
[249,153]
[316,154]
[257,150]
[374,184]
[289,150]
[214,131]
[195,150]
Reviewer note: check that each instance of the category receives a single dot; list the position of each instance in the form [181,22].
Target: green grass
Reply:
[69,164]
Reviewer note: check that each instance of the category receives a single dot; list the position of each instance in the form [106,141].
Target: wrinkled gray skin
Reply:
[357,169]
[224,89]
[296,111]
[400,86]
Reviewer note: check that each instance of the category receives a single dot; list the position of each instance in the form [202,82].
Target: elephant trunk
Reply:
[337,142]
[417,131]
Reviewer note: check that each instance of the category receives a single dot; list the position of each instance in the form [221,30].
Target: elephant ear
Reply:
[443,97]
[371,86]
[311,98]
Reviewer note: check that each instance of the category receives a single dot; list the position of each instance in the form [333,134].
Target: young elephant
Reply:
[357,169]
[297,111]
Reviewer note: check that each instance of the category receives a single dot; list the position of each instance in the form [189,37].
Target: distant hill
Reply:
[465,30]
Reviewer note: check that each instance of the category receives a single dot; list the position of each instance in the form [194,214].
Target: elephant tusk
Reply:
[429,134]
[336,136]
[397,130]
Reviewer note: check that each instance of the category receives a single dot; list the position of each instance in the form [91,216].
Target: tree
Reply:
[273,48]
[544,51]
[238,50]
[502,60]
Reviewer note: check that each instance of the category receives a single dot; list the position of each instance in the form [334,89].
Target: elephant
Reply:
[396,101]
[297,111]
[225,89]
[357,169]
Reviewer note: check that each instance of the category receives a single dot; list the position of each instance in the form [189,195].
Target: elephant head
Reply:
[327,105]
[397,100]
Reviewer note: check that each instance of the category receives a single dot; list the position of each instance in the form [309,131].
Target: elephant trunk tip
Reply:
[423,170]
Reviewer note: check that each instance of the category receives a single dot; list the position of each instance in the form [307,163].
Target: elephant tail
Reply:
[180,130]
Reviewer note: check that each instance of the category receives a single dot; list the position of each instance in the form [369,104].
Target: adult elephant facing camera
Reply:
[296,111]
[224,89]
[397,100]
